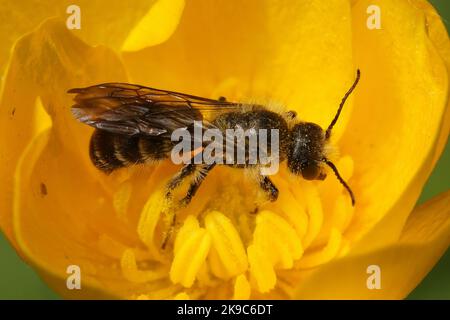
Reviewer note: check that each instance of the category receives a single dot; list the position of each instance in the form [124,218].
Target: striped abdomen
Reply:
[110,151]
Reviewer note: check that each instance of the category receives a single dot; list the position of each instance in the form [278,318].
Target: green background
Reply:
[19,281]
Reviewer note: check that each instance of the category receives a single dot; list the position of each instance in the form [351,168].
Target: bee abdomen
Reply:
[110,151]
[153,148]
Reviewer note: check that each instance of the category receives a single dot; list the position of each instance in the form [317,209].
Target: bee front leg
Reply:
[195,184]
[179,177]
[269,188]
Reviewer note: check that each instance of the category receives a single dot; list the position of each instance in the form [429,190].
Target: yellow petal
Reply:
[439,37]
[394,130]
[50,252]
[279,52]
[403,265]
[52,223]
[102,22]
[156,26]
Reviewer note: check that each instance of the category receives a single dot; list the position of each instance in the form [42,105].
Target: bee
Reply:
[134,124]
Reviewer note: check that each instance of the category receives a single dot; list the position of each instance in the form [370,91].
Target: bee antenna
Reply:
[336,117]
[338,176]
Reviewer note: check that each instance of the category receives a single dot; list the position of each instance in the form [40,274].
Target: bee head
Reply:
[306,153]
[305,156]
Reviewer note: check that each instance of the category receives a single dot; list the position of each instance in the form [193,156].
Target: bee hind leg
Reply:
[187,170]
[200,172]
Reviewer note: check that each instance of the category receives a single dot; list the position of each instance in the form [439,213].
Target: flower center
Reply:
[232,243]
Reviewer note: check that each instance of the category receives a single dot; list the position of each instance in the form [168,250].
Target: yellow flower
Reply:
[57,210]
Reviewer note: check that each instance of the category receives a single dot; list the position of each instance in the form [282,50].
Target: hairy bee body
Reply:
[110,151]
[134,124]
[256,119]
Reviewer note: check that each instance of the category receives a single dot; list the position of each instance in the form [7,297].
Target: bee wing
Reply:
[133,109]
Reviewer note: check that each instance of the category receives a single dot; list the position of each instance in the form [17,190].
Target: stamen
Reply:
[345,247]
[342,212]
[227,243]
[224,251]
[149,219]
[190,225]
[242,288]
[121,199]
[339,218]
[205,278]
[245,226]
[190,256]
[218,268]
[320,257]
[277,254]
[315,213]
[263,276]
[278,239]
[291,209]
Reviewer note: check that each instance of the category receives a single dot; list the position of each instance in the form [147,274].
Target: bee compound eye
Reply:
[322,176]
[310,171]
